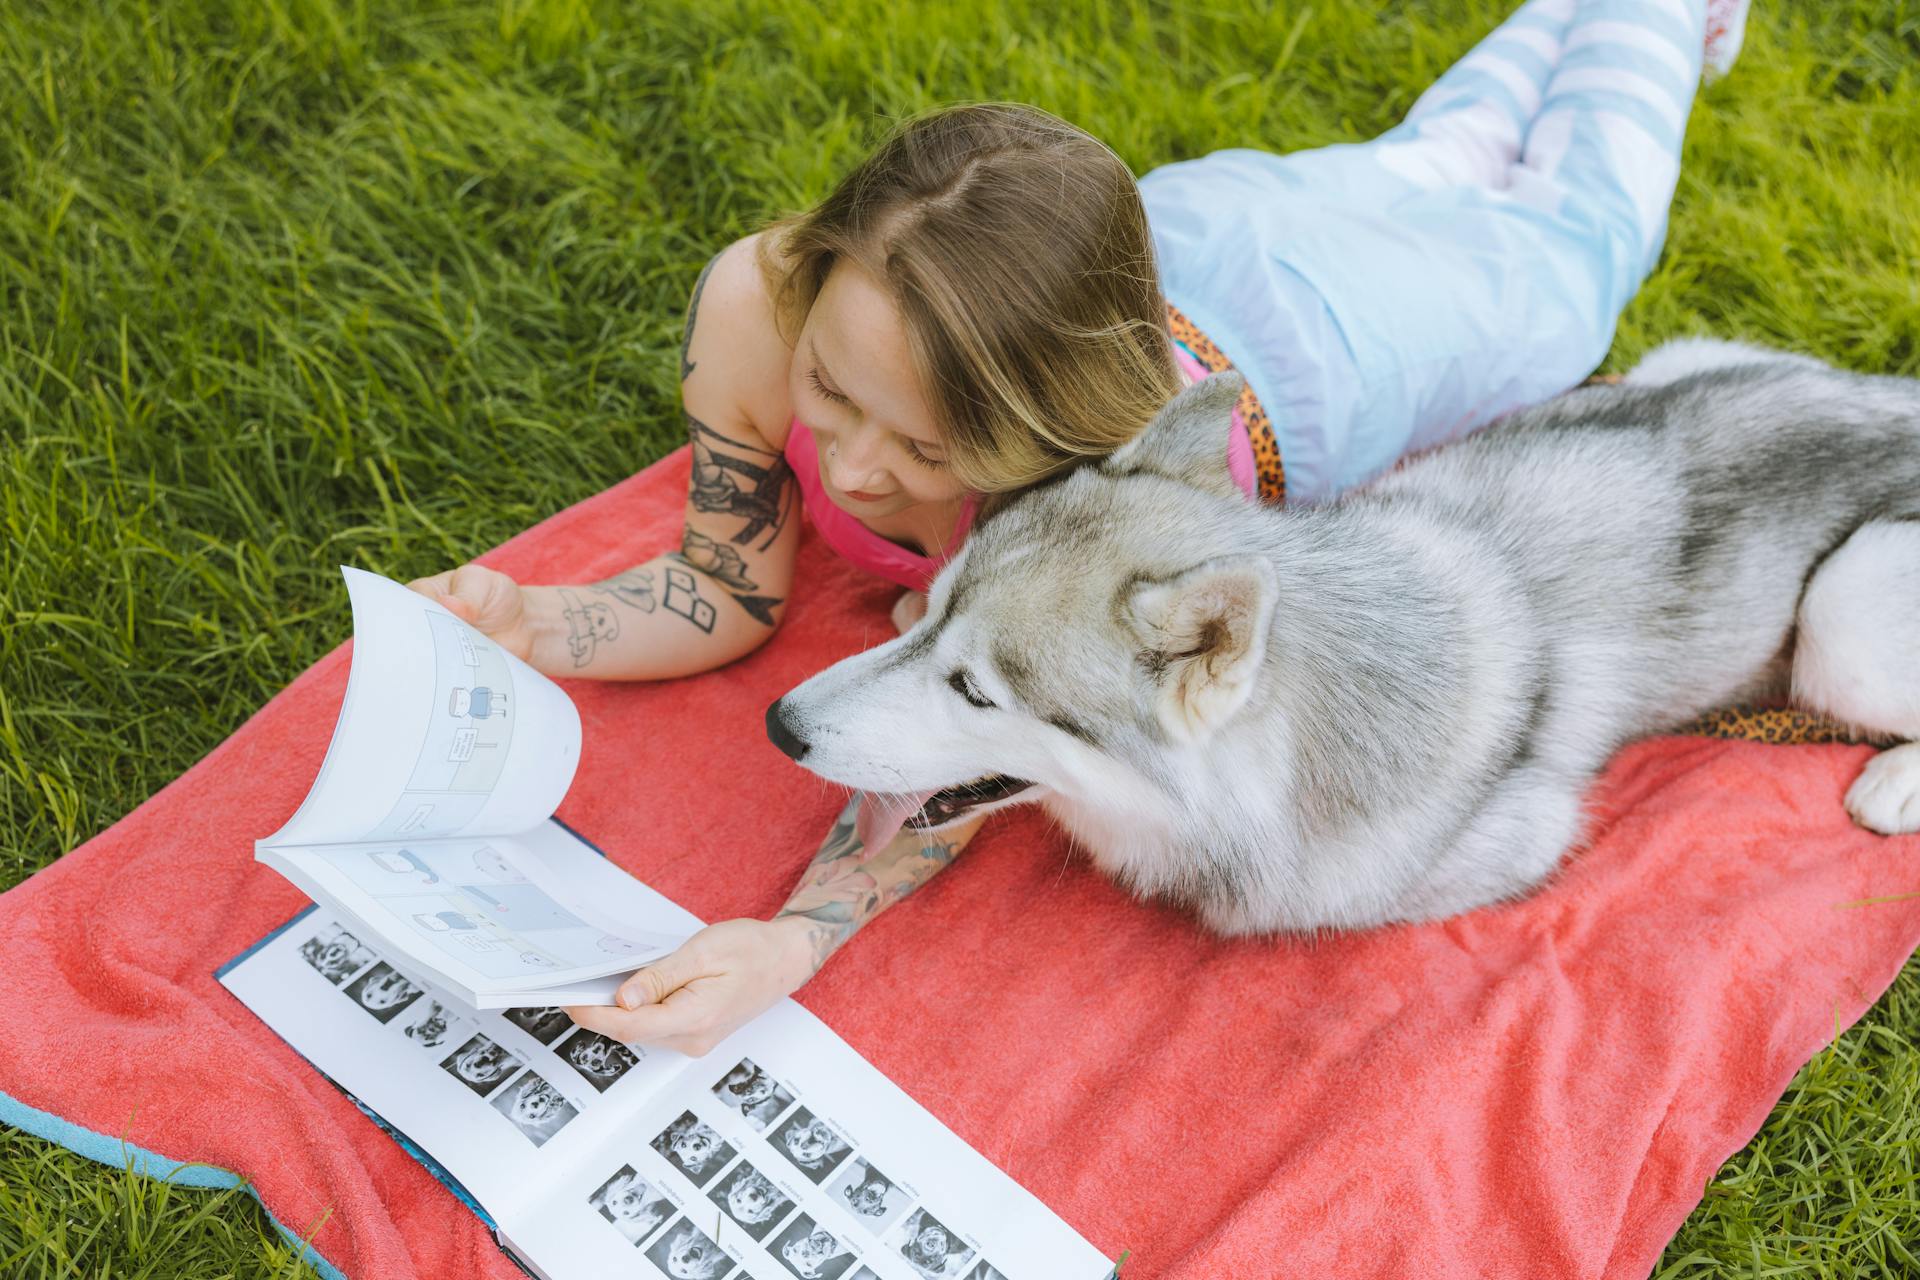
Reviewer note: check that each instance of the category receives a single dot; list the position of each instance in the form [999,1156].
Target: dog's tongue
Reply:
[881,817]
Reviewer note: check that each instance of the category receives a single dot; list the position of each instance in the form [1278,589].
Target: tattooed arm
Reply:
[840,892]
[728,973]
[719,593]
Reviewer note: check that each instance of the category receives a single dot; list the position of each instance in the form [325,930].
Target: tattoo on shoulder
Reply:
[724,564]
[693,313]
[588,625]
[737,479]
[634,588]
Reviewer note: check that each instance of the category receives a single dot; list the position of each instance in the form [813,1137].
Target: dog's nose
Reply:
[783,737]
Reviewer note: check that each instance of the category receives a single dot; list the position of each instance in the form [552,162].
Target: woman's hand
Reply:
[719,980]
[485,599]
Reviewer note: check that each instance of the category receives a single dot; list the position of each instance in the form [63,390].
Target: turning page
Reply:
[537,918]
[443,732]
[429,824]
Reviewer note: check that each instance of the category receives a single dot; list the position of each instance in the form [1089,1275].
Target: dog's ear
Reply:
[1203,635]
[1187,439]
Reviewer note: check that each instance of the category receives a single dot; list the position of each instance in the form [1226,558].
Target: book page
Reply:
[505,1101]
[442,732]
[541,912]
[784,1155]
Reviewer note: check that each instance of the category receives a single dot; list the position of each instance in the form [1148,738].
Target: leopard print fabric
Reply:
[1783,725]
[1269,473]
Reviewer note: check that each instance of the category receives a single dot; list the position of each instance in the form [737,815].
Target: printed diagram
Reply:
[403,862]
[470,901]
[467,734]
[477,703]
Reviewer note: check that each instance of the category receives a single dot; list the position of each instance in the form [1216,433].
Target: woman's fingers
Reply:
[658,980]
[434,585]
[458,608]
[492,599]
[485,599]
[719,980]
[656,1005]
[674,1025]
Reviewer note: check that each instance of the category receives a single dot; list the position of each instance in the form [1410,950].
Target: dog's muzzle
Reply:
[781,733]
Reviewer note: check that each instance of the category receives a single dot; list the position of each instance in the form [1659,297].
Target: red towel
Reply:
[1535,1090]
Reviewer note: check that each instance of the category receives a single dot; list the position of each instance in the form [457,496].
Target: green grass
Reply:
[285,283]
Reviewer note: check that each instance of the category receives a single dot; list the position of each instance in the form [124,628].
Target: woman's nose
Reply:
[853,459]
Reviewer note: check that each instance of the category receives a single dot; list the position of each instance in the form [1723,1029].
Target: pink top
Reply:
[845,533]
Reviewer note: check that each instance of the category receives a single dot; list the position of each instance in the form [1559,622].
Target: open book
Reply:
[781,1155]
[429,825]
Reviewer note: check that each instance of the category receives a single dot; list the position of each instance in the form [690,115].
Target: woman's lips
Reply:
[859,495]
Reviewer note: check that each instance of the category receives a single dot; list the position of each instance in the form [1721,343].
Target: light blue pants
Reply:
[1387,296]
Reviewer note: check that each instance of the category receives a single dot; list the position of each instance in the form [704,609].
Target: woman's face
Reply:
[853,384]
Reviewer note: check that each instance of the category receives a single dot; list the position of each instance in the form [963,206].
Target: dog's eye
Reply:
[962,683]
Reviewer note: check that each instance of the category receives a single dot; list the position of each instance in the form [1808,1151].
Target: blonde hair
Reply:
[1017,251]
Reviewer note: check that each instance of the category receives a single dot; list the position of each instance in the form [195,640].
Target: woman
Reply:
[990,298]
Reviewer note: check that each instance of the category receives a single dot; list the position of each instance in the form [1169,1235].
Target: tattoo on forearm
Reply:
[735,479]
[587,626]
[724,564]
[693,314]
[839,892]
[634,588]
[683,597]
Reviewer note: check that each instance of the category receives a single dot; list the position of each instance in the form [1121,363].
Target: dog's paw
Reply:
[1886,795]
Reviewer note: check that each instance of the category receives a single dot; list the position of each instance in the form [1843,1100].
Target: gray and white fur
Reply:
[1389,708]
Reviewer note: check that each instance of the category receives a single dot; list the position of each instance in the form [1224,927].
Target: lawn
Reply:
[290,283]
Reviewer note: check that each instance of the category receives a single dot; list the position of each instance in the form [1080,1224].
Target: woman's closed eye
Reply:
[961,682]
[914,452]
[826,392]
[912,446]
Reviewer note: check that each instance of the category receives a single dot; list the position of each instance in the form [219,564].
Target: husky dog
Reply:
[1388,708]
